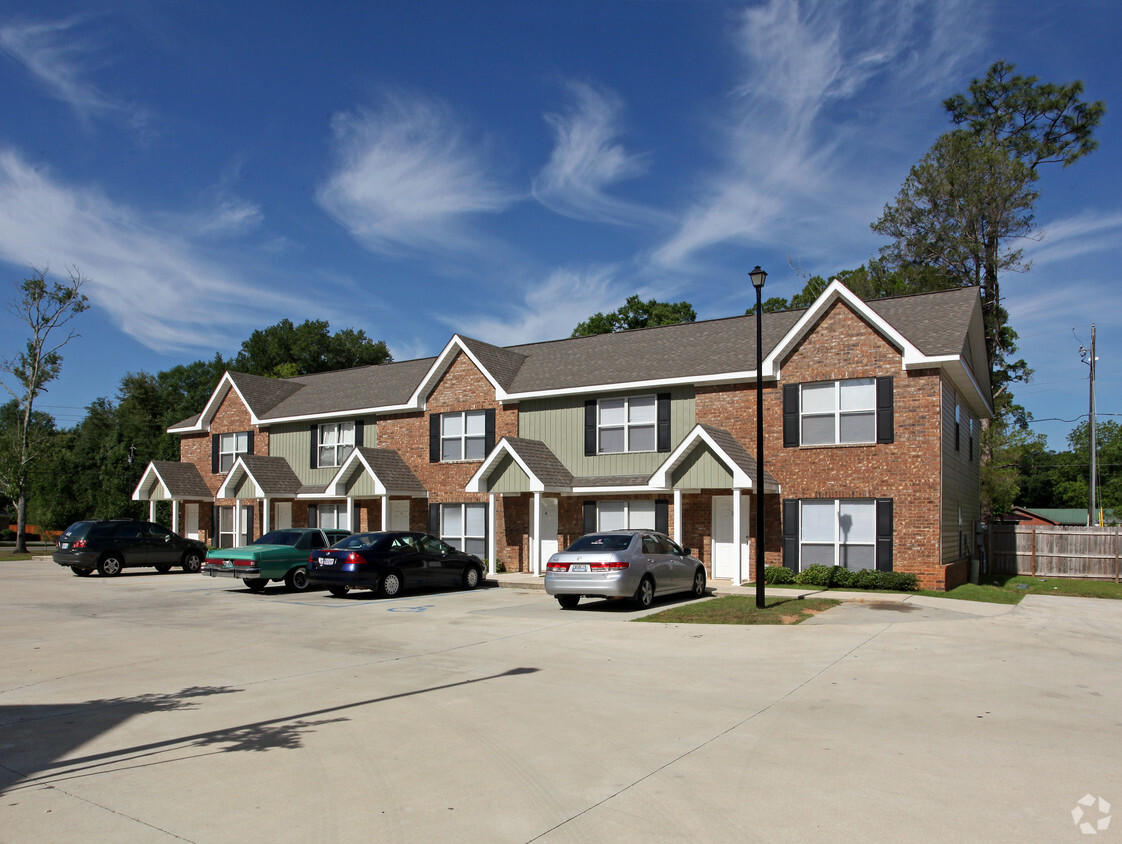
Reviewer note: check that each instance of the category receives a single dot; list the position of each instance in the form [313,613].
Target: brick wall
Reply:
[843,346]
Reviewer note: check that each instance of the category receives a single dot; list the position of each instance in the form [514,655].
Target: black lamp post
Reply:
[758,278]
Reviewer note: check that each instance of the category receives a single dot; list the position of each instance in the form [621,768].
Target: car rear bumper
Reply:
[241,572]
[607,584]
[354,579]
[81,559]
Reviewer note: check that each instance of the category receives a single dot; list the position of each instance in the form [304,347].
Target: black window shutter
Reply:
[249,442]
[248,513]
[664,422]
[488,430]
[885,423]
[590,428]
[589,517]
[434,519]
[957,434]
[312,514]
[358,433]
[214,454]
[662,516]
[313,458]
[434,438]
[791,533]
[790,415]
[884,534]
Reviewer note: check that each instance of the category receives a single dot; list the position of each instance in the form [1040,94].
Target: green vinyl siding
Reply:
[559,423]
[701,470]
[359,484]
[508,477]
[245,488]
[292,441]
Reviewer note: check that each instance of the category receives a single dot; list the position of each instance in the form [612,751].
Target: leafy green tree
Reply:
[635,313]
[46,309]
[284,350]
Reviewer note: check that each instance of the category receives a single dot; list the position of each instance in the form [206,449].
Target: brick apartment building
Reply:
[872,417]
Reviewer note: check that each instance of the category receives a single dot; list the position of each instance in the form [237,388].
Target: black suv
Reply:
[110,545]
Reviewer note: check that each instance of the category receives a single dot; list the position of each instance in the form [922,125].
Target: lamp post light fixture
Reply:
[758,277]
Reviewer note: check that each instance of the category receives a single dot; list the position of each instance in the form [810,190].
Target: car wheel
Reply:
[644,595]
[162,569]
[390,585]
[699,583]
[568,602]
[110,566]
[472,577]
[192,562]
[81,572]
[297,579]
[255,584]
[338,591]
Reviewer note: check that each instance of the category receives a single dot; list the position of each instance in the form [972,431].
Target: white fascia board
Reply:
[615,490]
[661,476]
[440,366]
[233,478]
[484,471]
[338,414]
[835,291]
[963,378]
[653,384]
[334,486]
[225,384]
[150,479]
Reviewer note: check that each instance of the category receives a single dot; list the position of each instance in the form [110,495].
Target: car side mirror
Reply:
[686,552]
[167,540]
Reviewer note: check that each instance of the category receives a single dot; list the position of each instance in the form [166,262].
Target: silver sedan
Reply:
[635,564]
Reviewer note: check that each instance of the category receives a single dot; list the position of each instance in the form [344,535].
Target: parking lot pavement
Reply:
[154,707]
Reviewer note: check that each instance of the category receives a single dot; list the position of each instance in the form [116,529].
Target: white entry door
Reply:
[191,520]
[549,528]
[724,549]
[399,514]
[284,515]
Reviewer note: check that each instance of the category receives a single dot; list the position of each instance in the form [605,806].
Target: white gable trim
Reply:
[148,481]
[234,477]
[484,472]
[661,477]
[336,485]
[440,367]
[202,424]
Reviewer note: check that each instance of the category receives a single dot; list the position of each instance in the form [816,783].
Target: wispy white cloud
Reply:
[549,310]
[59,58]
[800,154]
[1083,234]
[587,160]
[156,283]
[408,179]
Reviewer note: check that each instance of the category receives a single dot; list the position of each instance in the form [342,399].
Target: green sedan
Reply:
[278,555]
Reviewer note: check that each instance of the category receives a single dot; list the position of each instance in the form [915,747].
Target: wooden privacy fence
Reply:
[1053,551]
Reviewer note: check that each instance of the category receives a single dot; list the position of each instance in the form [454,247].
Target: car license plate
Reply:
[578,567]
[326,561]
[64,545]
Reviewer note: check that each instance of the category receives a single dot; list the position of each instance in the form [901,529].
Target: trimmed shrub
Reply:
[815,576]
[843,578]
[778,574]
[825,577]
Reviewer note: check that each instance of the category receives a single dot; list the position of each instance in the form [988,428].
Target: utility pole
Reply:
[1092,509]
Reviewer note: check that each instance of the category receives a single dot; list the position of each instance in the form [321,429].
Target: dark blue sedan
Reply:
[389,561]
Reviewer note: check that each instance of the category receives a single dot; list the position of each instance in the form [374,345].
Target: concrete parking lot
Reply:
[155,707]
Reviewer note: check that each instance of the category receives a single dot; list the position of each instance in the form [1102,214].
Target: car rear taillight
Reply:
[613,566]
[557,567]
[354,558]
[79,543]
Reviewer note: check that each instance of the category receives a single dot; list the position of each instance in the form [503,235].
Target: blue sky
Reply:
[505,169]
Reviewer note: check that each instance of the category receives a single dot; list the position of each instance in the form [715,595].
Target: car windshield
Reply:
[601,542]
[278,537]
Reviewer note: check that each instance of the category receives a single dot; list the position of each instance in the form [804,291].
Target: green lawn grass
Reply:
[1068,586]
[741,609]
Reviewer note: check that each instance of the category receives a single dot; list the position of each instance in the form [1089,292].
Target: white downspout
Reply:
[492,543]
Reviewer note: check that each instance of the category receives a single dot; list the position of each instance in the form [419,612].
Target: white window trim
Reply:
[463,437]
[838,542]
[240,445]
[627,425]
[342,447]
[241,526]
[837,413]
[459,540]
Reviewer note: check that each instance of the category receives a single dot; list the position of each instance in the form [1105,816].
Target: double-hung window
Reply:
[838,533]
[836,412]
[625,515]
[464,527]
[627,424]
[336,442]
[463,435]
[331,515]
[229,447]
